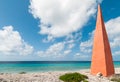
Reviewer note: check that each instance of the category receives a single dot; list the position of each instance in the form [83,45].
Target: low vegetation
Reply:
[115,79]
[22,73]
[73,77]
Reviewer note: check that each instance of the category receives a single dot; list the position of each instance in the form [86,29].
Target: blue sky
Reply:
[42,30]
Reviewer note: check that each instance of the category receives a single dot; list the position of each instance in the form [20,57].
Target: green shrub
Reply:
[22,73]
[73,77]
[115,79]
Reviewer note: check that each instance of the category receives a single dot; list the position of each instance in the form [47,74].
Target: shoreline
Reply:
[117,69]
[28,72]
[51,76]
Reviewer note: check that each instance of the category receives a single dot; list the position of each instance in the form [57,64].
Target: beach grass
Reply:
[73,77]
[22,72]
[115,79]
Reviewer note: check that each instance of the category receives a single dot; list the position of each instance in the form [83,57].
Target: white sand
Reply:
[49,76]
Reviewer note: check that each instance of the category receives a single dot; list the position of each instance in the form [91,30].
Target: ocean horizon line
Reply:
[47,62]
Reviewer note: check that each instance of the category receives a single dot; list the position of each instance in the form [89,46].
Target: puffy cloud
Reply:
[12,43]
[85,49]
[86,46]
[57,50]
[113,30]
[67,51]
[71,39]
[71,45]
[81,56]
[53,51]
[60,18]
[117,53]
[48,39]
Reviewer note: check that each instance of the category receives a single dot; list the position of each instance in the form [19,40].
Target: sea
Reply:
[45,66]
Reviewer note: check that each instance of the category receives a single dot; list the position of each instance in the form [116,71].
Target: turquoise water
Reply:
[43,66]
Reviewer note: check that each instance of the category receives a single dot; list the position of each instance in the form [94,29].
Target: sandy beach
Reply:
[49,76]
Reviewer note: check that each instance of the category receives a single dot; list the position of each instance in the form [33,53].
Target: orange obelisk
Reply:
[101,55]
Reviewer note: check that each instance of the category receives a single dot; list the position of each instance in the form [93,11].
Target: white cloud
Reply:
[115,42]
[71,46]
[63,19]
[72,38]
[81,56]
[113,30]
[86,46]
[67,51]
[57,50]
[117,53]
[60,18]
[12,43]
[53,51]
[85,49]
[48,39]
